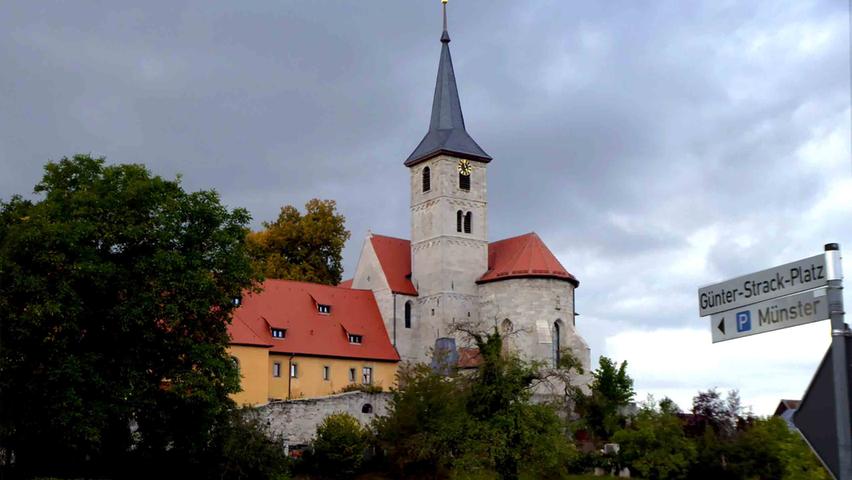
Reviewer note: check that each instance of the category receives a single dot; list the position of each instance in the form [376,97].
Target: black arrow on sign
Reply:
[721,326]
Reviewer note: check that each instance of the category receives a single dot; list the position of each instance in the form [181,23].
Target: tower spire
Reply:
[445,37]
[447,132]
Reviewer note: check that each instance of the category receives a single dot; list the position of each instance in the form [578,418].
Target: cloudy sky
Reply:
[655,148]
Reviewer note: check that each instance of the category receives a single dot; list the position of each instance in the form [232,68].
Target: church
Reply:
[448,273]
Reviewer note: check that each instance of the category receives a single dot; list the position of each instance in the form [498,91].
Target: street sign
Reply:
[794,277]
[775,314]
[815,416]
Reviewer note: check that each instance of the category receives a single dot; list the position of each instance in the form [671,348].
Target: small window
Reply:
[236,362]
[355,338]
[408,314]
[427,179]
[279,333]
[237,301]
[367,408]
[468,220]
[276,369]
[323,308]
[459,216]
[433,312]
[464,182]
[326,372]
[294,370]
[351,374]
[367,375]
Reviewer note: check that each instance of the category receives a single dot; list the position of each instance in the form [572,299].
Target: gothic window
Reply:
[464,182]
[468,220]
[427,180]
[408,314]
[557,341]
[505,331]
[459,216]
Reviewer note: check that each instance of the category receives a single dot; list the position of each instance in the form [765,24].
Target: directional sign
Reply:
[815,416]
[757,287]
[775,314]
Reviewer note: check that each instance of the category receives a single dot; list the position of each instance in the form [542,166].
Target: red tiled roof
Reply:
[346,283]
[469,358]
[523,256]
[395,258]
[291,306]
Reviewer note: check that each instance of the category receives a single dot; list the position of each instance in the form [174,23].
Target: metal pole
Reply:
[838,359]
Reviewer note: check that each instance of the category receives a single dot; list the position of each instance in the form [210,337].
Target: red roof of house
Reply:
[346,283]
[395,258]
[292,306]
[523,256]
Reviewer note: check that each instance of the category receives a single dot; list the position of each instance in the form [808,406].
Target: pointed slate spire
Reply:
[446,133]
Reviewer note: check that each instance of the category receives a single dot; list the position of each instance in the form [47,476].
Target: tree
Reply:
[709,410]
[474,425]
[339,446]
[603,410]
[427,423]
[302,247]
[654,445]
[116,287]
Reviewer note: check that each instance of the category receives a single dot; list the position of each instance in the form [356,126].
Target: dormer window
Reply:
[326,309]
[279,333]
[355,338]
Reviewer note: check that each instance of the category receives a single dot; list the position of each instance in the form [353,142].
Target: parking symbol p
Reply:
[744,321]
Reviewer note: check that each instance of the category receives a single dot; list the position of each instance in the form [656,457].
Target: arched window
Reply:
[468,220]
[459,216]
[464,182]
[408,314]
[506,329]
[427,179]
[557,341]
[367,408]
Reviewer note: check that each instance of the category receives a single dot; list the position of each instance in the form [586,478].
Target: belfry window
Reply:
[464,182]
[408,314]
[468,220]
[459,216]
[427,179]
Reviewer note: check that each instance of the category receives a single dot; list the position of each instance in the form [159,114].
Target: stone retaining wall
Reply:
[296,421]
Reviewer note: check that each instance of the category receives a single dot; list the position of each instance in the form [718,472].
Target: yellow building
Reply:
[297,340]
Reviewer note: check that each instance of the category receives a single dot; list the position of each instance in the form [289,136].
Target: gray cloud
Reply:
[654,148]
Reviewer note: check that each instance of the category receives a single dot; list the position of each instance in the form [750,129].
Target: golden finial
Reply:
[443,1]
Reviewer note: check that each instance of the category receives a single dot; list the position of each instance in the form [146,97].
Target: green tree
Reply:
[339,446]
[654,445]
[302,247]
[427,423]
[611,391]
[116,288]
[474,425]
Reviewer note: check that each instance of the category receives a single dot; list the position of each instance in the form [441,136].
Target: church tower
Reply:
[449,210]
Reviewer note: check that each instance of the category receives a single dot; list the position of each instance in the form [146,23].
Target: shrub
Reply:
[339,447]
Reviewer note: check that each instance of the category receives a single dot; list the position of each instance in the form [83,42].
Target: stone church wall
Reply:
[533,305]
[296,421]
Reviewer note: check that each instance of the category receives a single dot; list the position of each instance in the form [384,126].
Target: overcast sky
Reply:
[654,148]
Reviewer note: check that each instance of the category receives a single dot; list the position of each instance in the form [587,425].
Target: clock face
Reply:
[465,167]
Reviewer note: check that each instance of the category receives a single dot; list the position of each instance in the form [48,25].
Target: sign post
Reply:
[838,360]
[796,293]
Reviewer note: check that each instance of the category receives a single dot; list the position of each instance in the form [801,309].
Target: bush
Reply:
[339,448]
[357,387]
